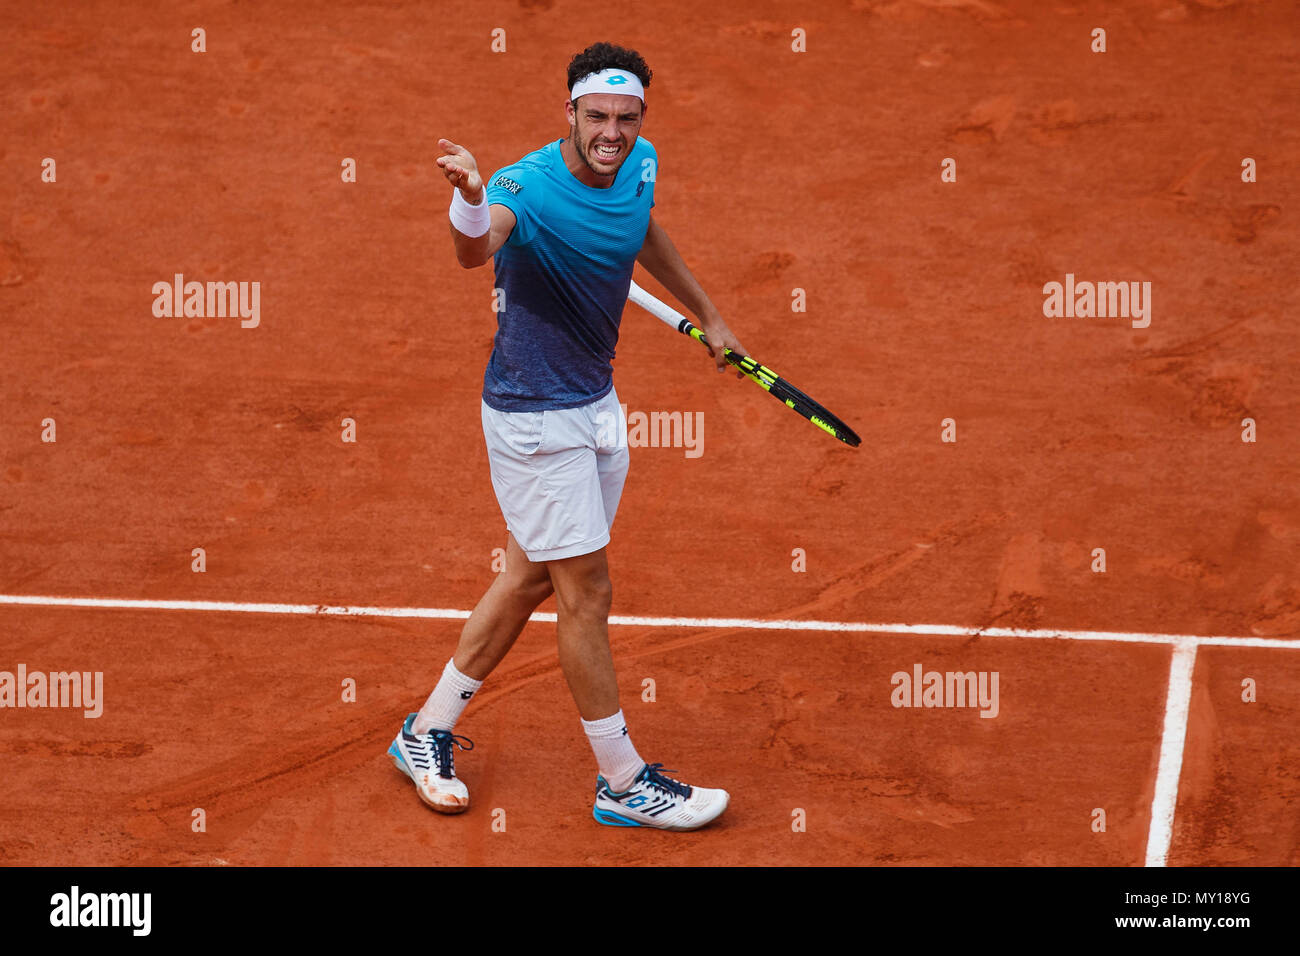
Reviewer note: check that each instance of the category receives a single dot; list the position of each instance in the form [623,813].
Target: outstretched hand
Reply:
[461,171]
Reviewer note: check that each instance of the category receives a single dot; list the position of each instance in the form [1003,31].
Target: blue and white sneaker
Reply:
[427,759]
[654,800]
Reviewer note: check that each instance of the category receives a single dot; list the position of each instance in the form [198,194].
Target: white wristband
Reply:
[469,220]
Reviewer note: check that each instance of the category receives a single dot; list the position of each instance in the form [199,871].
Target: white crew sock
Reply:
[617,758]
[447,702]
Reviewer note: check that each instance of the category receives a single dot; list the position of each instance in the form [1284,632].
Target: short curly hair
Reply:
[602,56]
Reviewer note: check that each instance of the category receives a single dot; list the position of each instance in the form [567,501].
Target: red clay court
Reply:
[780,170]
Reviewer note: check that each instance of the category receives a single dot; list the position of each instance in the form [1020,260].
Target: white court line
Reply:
[1177,705]
[622,620]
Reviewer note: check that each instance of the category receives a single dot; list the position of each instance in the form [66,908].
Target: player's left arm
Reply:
[662,260]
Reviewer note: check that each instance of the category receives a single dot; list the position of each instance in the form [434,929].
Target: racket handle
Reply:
[639,296]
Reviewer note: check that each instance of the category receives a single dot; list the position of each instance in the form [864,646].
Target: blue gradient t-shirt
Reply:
[564,272]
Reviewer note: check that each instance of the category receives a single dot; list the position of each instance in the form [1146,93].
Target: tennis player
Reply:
[564,225]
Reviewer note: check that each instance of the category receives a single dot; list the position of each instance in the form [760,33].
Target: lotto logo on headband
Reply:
[627,84]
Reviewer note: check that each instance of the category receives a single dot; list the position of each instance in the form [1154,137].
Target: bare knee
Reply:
[589,595]
[531,590]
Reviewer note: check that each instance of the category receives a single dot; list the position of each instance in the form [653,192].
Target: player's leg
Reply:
[492,629]
[500,615]
[424,747]
[582,597]
[629,792]
[582,586]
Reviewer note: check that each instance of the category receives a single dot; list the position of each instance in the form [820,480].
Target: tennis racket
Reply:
[768,380]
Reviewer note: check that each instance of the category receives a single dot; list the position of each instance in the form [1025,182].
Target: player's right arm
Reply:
[462,172]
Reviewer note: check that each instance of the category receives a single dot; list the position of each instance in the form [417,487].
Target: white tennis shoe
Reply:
[654,800]
[427,760]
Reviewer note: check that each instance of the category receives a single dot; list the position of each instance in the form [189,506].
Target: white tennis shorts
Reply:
[558,475]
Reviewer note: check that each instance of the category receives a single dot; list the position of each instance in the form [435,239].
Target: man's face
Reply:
[604,126]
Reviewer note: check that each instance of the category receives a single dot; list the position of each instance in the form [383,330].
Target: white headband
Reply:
[609,81]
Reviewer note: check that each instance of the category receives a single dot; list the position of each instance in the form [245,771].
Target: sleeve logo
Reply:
[506,182]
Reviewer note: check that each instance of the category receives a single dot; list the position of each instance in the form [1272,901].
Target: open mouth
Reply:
[607,152]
